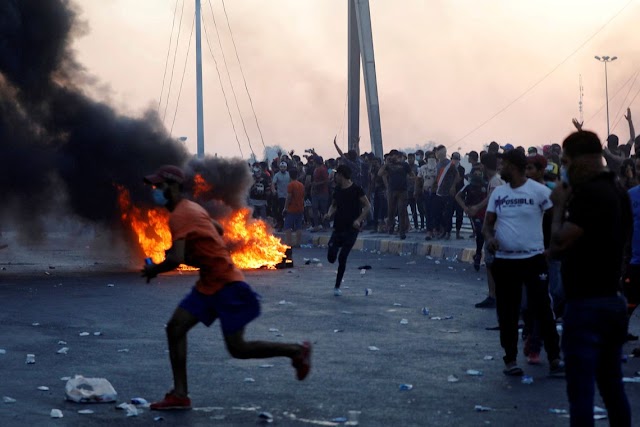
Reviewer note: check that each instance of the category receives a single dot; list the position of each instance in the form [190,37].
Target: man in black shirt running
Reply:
[350,206]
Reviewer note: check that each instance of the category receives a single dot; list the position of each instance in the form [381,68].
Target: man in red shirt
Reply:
[220,291]
[293,211]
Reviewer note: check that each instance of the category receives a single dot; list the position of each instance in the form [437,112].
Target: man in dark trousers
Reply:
[220,291]
[513,232]
[591,225]
[350,206]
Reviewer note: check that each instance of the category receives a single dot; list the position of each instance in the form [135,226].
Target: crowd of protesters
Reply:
[558,228]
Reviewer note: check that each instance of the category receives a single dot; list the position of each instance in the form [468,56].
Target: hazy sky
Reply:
[444,67]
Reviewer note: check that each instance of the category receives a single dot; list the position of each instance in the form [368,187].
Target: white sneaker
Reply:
[337,292]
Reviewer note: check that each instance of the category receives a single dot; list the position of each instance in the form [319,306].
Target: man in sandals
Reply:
[220,291]
[513,231]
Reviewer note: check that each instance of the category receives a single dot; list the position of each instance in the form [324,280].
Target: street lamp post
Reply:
[606,59]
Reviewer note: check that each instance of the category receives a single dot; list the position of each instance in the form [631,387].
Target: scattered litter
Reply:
[265,417]
[363,271]
[335,331]
[307,261]
[97,334]
[139,401]
[7,399]
[283,302]
[452,379]
[85,411]
[51,267]
[90,390]
[425,311]
[450,268]
[339,420]
[63,350]
[43,388]
[132,411]
[368,291]
[219,408]
[65,378]
[249,380]
[480,408]
[346,312]
[123,350]
[307,246]
[110,285]
[319,264]
[397,304]
[479,279]
[437,262]
[631,379]
[49,274]
[411,262]
[56,413]
[429,257]
[474,372]
[3,351]
[373,348]
[158,419]
[365,267]
[31,359]
[62,342]
[488,358]
[527,379]
[406,387]
[391,310]
[452,331]
[558,411]
[84,334]
[441,317]
[35,324]
[404,322]
[273,330]
[266,366]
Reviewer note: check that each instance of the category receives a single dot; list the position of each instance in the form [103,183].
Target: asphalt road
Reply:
[38,310]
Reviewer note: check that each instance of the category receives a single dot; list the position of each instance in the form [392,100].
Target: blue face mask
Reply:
[551,184]
[158,197]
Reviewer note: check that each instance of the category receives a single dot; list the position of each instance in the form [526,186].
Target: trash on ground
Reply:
[558,411]
[7,399]
[56,413]
[3,351]
[63,350]
[335,331]
[265,416]
[441,317]
[437,262]
[110,285]
[31,359]
[480,408]
[404,322]
[90,390]
[346,312]
[339,420]
[266,365]
[373,348]
[631,379]
[274,330]
[139,401]
[425,311]
[123,350]
[363,271]
[452,379]
[84,334]
[411,263]
[474,372]
[249,380]
[62,342]
[43,388]
[85,411]
[368,291]
[488,358]
[365,267]
[65,378]
[397,304]
[527,379]
[315,260]
[406,387]
[35,324]
[97,334]
[158,419]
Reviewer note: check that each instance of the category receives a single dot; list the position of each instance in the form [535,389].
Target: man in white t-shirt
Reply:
[513,232]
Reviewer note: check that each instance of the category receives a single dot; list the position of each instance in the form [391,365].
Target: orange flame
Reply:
[200,186]
[252,244]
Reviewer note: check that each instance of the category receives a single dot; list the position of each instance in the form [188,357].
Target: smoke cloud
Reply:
[58,147]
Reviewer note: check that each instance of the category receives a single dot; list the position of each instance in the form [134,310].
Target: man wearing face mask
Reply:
[592,224]
[220,291]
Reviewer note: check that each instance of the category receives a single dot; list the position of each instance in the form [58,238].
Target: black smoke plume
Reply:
[56,144]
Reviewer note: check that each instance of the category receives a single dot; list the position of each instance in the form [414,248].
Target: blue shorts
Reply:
[236,304]
[293,221]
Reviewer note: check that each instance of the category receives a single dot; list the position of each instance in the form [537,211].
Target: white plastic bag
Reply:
[90,390]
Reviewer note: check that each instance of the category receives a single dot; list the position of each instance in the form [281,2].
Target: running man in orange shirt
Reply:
[220,291]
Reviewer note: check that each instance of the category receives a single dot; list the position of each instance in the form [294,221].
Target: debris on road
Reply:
[56,413]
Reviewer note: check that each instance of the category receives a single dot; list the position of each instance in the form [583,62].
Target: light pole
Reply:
[606,59]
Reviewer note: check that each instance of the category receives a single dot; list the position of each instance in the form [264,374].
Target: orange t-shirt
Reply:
[204,247]
[296,203]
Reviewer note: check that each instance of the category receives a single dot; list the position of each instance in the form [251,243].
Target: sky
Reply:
[455,72]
